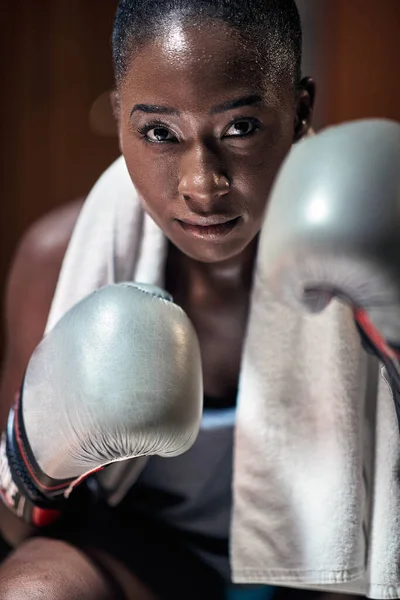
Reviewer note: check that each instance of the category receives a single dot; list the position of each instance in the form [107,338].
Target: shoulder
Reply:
[29,292]
[46,240]
[36,266]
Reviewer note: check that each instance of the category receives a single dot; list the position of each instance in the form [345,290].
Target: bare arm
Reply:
[30,288]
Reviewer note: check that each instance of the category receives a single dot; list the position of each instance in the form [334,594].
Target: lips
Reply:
[209,227]
[208,221]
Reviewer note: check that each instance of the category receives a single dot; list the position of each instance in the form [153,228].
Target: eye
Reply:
[242,128]
[159,134]
[156,133]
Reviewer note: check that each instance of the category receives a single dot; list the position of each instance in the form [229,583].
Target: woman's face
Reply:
[203,137]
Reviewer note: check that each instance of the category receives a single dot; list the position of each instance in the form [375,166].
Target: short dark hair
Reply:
[273,27]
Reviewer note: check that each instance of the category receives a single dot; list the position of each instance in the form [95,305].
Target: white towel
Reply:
[316,487]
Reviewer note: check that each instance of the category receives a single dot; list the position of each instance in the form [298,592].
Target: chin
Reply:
[211,253]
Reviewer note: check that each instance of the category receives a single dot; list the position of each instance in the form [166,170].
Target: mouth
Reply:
[209,228]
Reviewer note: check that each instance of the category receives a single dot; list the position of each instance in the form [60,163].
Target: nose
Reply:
[202,179]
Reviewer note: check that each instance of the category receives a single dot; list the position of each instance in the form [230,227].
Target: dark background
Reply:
[56,71]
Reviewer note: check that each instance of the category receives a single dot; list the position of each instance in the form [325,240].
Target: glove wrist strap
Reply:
[24,487]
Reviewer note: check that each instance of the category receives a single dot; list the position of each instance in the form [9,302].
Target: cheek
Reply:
[256,175]
[153,177]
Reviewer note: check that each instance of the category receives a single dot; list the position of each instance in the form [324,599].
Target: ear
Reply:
[304,108]
[115,105]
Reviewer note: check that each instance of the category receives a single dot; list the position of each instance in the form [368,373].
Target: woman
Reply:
[209,101]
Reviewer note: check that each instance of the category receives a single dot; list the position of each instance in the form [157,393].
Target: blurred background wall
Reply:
[352,49]
[55,61]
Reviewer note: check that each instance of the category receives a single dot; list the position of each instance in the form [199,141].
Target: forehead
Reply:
[196,65]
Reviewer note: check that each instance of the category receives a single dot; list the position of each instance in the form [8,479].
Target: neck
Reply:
[235,273]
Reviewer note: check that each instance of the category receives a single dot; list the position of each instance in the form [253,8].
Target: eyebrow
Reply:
[229,105]
[237,103]
[155,109]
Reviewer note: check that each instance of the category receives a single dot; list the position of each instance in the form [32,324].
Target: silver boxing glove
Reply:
[118,377]
[332,228]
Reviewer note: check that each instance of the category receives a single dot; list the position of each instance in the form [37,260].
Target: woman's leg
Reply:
[46,569]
